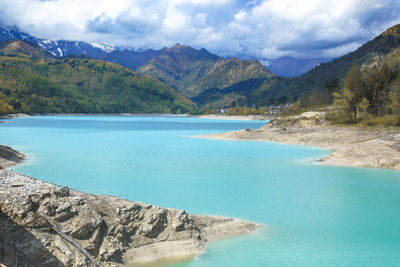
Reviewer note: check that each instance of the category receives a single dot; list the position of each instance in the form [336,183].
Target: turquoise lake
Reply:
[313,215]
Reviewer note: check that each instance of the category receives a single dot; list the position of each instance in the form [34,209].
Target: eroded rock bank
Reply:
[9,157]
[371,147]
[42,224]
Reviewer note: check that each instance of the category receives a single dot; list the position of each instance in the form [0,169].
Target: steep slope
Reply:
[292,88]
[192,71]
[24,49]
[79,85]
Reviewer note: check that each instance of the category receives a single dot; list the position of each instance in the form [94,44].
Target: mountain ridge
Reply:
[198,73]
[188,70]
[131,58]
[193,71]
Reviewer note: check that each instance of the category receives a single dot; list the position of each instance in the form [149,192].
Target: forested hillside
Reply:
[32,80]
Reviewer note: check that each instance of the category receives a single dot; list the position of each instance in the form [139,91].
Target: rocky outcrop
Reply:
[9,157]
[42,224]
[306,119]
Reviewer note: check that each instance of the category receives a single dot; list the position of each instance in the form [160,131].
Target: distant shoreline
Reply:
[211,116]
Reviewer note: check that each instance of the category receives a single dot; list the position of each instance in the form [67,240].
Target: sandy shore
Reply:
[42,224]
[356,147]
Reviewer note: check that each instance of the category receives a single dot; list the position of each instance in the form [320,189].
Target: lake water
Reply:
[313,215]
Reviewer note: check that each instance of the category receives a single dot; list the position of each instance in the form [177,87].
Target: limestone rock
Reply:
[54,226]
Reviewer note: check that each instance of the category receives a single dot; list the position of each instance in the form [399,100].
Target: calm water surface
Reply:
[313,215]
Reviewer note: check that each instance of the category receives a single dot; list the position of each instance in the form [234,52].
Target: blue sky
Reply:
[258,28]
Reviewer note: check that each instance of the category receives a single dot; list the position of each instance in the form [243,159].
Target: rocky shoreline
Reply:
[42,224]
[232,117]
[366,147]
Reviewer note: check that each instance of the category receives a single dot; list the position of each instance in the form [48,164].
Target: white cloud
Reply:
[176,21]
[200,20]
[263,28]
[200,2]
[207,36]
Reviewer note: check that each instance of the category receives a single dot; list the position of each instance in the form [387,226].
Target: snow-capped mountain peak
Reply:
[104,47]
[266,63]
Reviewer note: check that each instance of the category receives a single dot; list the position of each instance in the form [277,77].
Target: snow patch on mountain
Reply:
[45,41]
[264,62]
[104,47]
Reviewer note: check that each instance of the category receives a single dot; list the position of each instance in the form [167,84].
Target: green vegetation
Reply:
[370,96]
[42,84]
[240,111]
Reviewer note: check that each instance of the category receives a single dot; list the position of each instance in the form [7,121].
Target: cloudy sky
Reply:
[261,28]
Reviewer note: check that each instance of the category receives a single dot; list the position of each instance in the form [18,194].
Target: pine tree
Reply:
[331,86]
[353,89]
[369,77]
[364,106]
[381,93]
[341,112]
[395,99]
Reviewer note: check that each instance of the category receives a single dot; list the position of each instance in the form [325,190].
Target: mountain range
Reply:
[189,71]
[58,48]
[130,58]
[211,81]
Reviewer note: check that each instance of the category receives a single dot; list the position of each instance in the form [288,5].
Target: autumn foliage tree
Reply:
[366,93]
